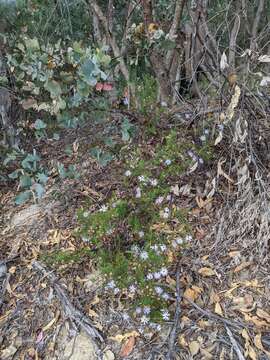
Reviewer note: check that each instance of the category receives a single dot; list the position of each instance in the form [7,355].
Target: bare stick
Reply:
[210,315]
[71,312]
[176,316]
[234,344]
[233,37]
[255,26]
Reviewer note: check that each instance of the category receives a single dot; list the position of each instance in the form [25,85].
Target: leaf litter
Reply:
[228,294]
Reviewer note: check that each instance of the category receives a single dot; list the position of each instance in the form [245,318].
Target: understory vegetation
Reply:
[171,99]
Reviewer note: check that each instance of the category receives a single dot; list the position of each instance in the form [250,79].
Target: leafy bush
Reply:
[56,80]
[29,172]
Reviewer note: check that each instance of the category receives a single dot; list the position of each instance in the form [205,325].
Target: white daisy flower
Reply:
[165,296]
[165,315]
[141,178]
[128,173]
[158,290]
[111,284]
[144,320]
[163,247]
[86,214]
[138,310]
[179,241]
[144,255]
[135,249]
[149,276]
[146,310]
[116,291]
[132,289]
[167,210]
[138,193]
[158,327]
[163,271]
[141,234]
[154,247]
[153,182]
[125,317]
[168,162]
[157,275]
[188,238]
[159,200]
[203,138]
[103,208]
[165,215]
[201,161]
[85,238]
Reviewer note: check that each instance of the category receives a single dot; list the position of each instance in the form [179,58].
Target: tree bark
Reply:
[158,64]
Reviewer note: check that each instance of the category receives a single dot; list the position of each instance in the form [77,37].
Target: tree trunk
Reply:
[157,62]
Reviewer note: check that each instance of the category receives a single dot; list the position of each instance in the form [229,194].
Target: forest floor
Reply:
[47,301]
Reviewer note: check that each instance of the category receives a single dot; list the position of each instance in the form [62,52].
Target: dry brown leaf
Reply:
[252,353]
[182,341]
[191,294]
[119,338]
[221,172]
[245,335]
[185,320]
[29,103]
[218,309]
[128,346]
[259,345]
[203,324]
[50,324]
[228,293]
[12,270]
[234,253]
[194,347]
[92,313]
[256,321]
[202,203]
[205,271]
[206,354]
[242,266]
[263,315]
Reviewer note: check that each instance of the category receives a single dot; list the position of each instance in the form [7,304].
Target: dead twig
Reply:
[71,312]
[234,344]
[176,315]
[210,315]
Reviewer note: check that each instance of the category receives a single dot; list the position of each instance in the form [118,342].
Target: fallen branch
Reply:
[234,344]
[173,333]
[71,312]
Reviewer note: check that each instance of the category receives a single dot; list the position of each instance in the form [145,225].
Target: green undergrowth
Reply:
[139,234]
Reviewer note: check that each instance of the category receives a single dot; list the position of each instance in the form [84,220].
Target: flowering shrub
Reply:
[138,236]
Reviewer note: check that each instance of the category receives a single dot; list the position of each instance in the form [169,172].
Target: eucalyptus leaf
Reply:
[39,124]
[25,181]
[22,197]
[39,190]
[54,88]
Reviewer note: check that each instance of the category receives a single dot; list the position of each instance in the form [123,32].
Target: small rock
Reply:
[108,355]
[82,349]
[8,352]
